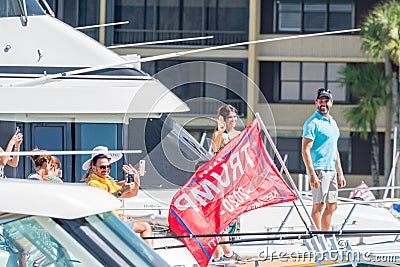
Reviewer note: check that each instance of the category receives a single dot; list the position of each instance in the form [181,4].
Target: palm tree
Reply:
[367,82]
[380,35]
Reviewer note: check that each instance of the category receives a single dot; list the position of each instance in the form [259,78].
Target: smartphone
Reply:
[142,167]
[18,130]
[131,178]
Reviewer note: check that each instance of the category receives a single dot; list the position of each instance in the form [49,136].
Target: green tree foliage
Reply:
[380,34]
[367,82]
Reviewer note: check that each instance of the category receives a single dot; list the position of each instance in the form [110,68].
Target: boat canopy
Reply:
[106,103]
[64,201]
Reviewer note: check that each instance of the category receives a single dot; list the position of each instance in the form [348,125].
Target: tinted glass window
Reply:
[97,240]
[289,16]
[226,20]
[314,15]
[99,134]
[190,87]
[297,81]
[51,137]
[340,16]
[291,147]
[13,8]
[82,13]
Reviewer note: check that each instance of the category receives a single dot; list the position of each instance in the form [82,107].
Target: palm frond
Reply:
[381,31]
[367,83]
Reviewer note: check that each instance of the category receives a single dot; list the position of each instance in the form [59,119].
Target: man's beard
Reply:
[323,111]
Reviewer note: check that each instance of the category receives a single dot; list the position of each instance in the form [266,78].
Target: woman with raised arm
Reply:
[225,129]
[15,142]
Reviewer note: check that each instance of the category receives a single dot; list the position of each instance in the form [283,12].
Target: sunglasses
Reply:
[104,167]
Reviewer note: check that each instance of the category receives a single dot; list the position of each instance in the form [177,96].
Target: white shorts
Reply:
[328,189]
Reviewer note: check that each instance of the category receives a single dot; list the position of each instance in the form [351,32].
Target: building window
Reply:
[226,20]
[203,85]
[78,13]
[298,81]
[314,15]
[291,147]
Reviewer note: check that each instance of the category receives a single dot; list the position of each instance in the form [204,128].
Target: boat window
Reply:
[13,8]
[98,240]
[170,152]
[39,70]
[115,231]
[108,239]
[27,243]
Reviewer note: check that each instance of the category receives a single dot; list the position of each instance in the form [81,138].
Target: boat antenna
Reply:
[24,11]
[101,25]
[48,8]
[43,79]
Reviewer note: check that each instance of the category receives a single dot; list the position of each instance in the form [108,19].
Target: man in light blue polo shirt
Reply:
[322,160]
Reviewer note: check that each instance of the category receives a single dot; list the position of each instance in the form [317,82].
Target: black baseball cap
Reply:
[324,92]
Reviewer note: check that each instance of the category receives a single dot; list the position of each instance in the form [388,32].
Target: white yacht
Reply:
[62,87]
[66,91]
[48,224]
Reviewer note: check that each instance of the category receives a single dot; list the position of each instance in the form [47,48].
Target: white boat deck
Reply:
[350,215]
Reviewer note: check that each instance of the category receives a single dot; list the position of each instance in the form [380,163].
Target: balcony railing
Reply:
[128,36]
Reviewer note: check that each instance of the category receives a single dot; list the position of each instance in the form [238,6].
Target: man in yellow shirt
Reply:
[98,170]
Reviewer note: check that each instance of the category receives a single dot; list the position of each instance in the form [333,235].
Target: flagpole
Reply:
[261,123]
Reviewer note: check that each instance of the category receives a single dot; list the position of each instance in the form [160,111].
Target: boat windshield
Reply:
[15,8]
[97,240]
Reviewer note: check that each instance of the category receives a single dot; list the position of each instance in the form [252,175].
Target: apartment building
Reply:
[278,78]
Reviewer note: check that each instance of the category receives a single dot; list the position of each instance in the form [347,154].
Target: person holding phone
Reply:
[14,143]
[98,174]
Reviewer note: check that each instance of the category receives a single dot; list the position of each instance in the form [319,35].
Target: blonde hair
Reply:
[87,176]
[55,162]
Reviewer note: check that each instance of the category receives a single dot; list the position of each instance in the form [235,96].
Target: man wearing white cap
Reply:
[98,174]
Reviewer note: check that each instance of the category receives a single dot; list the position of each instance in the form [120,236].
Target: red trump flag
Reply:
[241,177]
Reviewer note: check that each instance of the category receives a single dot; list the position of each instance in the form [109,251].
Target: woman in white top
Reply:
[225,131]
[15,142]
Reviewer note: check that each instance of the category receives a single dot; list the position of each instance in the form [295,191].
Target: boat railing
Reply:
[306,194]
[157,216]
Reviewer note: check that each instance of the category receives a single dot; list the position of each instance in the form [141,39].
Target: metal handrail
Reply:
[345,201]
